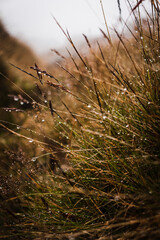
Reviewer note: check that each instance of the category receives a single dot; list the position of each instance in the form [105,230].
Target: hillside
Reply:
[85,161]
[17,53]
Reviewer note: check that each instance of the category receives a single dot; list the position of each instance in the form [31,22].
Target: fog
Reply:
[32,20]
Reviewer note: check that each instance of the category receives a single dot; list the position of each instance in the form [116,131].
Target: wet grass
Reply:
[89,148]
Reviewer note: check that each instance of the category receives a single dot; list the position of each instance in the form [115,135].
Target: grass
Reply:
[89,149]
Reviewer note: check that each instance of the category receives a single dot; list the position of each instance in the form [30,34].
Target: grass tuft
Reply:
[92,138]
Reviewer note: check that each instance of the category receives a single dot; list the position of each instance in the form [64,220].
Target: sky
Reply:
[32,20]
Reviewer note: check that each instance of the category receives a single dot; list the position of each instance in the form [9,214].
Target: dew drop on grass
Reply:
[15,98]
[104,117]
[117,198]
[43,120]
[127,126]
[30,140]
[18,127]
[89,106]
[45,101]
[21,102]
[33,159]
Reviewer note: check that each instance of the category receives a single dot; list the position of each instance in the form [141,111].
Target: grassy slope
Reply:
[98,124]
[17,53]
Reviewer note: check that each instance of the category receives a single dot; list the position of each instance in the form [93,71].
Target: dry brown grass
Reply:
[99,114]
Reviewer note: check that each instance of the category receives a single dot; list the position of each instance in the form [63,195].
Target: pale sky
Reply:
[32,22]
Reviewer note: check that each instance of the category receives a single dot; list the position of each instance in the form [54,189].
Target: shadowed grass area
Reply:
[89,157]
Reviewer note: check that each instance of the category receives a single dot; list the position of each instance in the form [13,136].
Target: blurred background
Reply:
[32,22]
[28,32]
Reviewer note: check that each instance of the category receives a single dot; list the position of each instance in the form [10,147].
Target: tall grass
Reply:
[96,126]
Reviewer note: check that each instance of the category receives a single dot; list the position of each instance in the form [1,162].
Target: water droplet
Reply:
[141,37]
[89,106]
[21,102]
[116,198]
[18,127]
[16,98]
[104,117]
[43,120]
[125,89]
[31,140]
[33,159]
[45,101]
[127,126]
